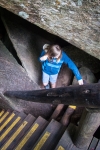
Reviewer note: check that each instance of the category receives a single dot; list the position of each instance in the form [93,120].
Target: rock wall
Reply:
[28,41]
[13,77]
[24,43]
[82,59]
[76,21]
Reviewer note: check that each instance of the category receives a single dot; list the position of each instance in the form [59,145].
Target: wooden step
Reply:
[8,124]
[98,146]
[1,113]
[57,111]
[4,116]
[7,121]
[18,134]
[93,144]
[49,137]
[11,127]
[66,141]
[32,135]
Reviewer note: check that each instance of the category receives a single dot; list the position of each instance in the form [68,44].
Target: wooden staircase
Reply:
[19,131]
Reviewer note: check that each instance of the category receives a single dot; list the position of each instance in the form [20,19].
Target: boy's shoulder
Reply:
[64,55]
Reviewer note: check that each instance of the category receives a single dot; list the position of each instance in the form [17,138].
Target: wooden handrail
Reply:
[87,95]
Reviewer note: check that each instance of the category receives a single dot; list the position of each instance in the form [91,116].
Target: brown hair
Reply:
[53,51]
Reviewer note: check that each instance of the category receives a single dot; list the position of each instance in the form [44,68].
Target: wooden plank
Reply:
[32,135]
[60,148]
[4,117]
[57,111]
[19,133]
[7,132]
[8,120]
[11,122]
[98,146]
[49,137]
[1,113]
[93,144]
[76,148]
[87,95]
[65,120]
[66,141]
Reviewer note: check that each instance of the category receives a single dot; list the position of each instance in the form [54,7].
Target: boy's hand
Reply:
[80,82]
[43,58]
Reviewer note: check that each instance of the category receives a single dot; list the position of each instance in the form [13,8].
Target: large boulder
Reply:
[87,76]
[81,58]
[64,77]
[76,21]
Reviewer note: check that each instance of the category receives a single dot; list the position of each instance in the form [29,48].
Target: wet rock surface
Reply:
[76,21]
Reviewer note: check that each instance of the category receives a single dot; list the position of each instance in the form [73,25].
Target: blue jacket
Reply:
[53,67]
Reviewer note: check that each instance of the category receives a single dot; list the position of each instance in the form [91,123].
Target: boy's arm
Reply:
[73,67]
[43,56]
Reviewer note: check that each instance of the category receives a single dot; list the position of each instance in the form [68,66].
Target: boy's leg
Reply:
[53,85]
[45,79]
[53,79]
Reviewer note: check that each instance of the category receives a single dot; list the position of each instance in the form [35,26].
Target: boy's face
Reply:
[58,53]
[57,56]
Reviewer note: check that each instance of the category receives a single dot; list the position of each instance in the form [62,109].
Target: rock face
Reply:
[87,76]
[76,21]
[13,77]
[24,43]
[64,77]
[28,44]
[81,58]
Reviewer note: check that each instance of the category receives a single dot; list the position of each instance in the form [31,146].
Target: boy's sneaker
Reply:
[47,86]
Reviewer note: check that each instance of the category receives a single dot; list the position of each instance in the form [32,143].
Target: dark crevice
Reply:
[6,41]
[97,133]
[97,75]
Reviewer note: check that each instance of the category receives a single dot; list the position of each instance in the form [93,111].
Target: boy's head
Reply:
[54,51]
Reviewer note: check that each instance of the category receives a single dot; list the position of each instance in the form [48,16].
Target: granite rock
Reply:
[76,21]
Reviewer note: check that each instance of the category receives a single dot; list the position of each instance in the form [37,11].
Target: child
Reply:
[52,58]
